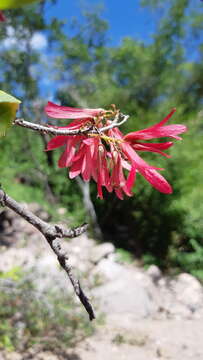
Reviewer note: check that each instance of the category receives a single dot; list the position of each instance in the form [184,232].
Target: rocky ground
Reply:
[147,316]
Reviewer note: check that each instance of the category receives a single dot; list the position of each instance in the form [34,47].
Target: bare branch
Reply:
[119,120]
[52,233]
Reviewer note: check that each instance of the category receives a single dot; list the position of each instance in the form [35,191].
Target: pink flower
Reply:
[109,157]
[2,17]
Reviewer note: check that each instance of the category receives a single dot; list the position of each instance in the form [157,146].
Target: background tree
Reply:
[145,80]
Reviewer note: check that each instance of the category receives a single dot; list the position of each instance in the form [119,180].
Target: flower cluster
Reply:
[108,156]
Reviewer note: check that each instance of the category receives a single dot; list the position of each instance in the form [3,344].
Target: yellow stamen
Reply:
[106,138]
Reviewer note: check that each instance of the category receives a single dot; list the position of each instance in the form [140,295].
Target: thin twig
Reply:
[54,131]
[48,129]
[116,123]
[52,233]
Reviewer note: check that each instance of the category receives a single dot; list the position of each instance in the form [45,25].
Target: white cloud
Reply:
[10,31]
[38,41]
[10,40]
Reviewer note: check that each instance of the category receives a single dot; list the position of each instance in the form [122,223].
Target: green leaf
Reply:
[11,4]
[8,107]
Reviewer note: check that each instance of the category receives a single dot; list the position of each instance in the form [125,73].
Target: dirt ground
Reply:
[147,316]
[145,340]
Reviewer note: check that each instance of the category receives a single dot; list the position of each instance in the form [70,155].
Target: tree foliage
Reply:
[145,80]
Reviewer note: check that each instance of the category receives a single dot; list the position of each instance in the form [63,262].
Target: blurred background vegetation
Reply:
[144,81]
[33,317]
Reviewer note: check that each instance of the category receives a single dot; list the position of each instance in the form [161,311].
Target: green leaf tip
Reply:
[11,4]
[8,107]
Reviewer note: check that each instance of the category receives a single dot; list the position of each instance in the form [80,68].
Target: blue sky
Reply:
[125,17]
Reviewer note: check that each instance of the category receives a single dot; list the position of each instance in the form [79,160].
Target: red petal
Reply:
[157,181]
[87,165]
[157,130]
[131,178]
[149,172]
[126,165]
[65,112]
[105,174]
[102,171]
[56,142]
[67,157]
[99,186]
[119,193]
[158,146]
[74,125]
[75,169]
[162,122]
[80,153]
[89,141]
[126,186]
[153,147]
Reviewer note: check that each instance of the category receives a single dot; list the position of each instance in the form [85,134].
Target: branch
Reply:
[116,122]
[119,120]
[52,233]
